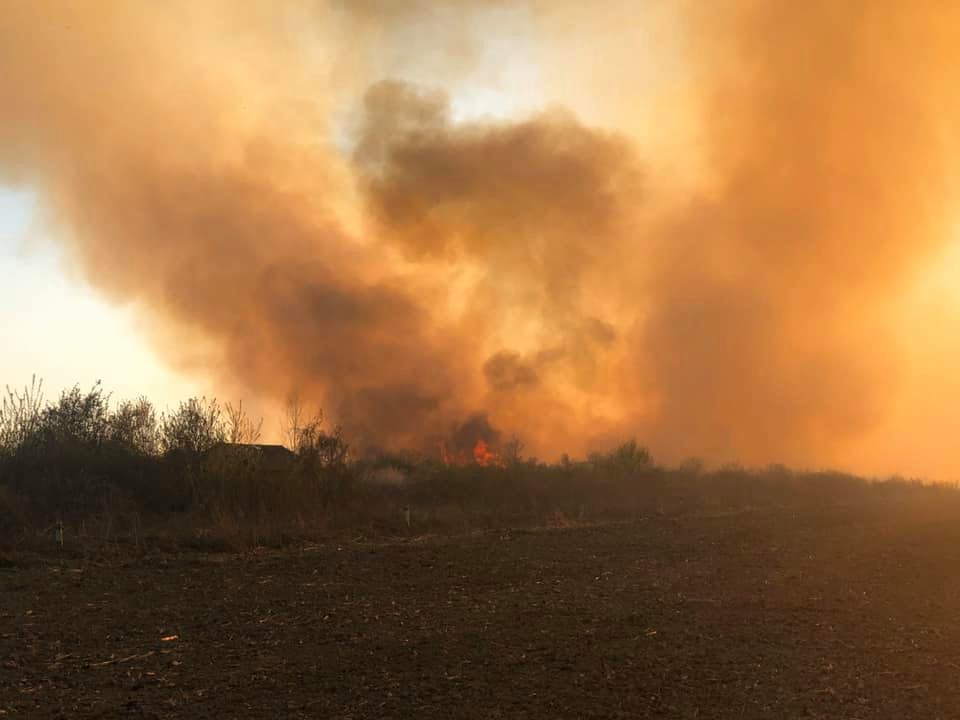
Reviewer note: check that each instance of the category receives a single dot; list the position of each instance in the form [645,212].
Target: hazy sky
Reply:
[56,327]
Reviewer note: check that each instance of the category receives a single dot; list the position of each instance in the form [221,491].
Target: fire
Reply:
[482,456]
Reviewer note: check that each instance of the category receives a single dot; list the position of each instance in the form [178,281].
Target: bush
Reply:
[134,426]
[193,428]
[20,415]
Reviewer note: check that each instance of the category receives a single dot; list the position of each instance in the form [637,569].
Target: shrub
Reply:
[193,428]
[77,418]
[134,425]
[20,415]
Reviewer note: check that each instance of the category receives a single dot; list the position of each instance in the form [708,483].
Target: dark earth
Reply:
[840,613]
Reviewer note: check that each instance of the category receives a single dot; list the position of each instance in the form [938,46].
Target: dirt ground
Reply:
[765,614]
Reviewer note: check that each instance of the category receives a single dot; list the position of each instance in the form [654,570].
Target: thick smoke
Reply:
[293,219]
[770,332]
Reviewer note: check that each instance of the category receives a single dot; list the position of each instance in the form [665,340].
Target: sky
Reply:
[726,229]
[59,329]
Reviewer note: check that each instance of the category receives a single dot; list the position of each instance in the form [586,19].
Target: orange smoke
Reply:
[293,200]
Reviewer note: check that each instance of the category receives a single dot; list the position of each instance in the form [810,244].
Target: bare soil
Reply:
[840,613]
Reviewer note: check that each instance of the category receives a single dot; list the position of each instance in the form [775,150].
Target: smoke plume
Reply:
[709,251]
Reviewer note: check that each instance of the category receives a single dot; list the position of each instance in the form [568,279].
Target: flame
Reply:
[484,457]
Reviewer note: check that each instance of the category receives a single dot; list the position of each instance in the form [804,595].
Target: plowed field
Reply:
[762,614]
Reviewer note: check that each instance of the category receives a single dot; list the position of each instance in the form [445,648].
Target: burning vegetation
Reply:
[481,455]
[473,441]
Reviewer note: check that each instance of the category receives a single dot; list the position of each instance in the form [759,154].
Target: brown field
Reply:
[842,612]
